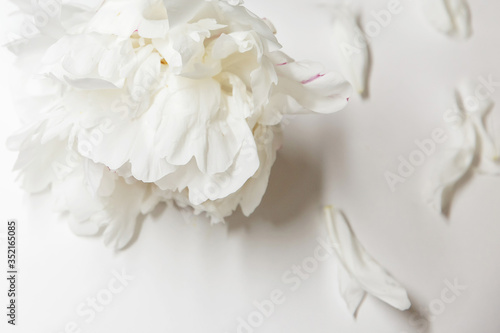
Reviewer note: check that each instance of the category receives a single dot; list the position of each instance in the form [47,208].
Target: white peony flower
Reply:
[136,102]
[358,273]
[451,17]
[470,147]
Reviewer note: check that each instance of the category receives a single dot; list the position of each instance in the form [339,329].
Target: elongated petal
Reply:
[353,49]
[362,273]
[451,17]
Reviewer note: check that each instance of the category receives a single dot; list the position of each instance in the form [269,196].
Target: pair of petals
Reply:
[470,147]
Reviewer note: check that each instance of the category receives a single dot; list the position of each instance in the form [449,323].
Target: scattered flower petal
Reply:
[354,59]
[358,272]
[470,147]
[451,17]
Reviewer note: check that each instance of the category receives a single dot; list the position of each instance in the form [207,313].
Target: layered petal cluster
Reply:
[470,147]
[128,103]
[358,273]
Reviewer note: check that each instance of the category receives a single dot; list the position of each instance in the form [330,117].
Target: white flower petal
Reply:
[304,88]
[122,18]
[93,176]
[470,147]
[180,11]
[117,212]
[451,17]
[184,49]
[75,14]
[123,209]
[39,162]
[360,267]
[235,16]
[81,204]
[268,140]
[89,61]
[354,59]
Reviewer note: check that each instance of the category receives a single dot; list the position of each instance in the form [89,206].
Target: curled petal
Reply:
[304,87]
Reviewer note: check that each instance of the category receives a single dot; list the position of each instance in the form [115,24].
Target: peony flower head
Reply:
[130,103]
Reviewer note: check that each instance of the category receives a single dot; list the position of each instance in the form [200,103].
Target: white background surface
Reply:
[193,277]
